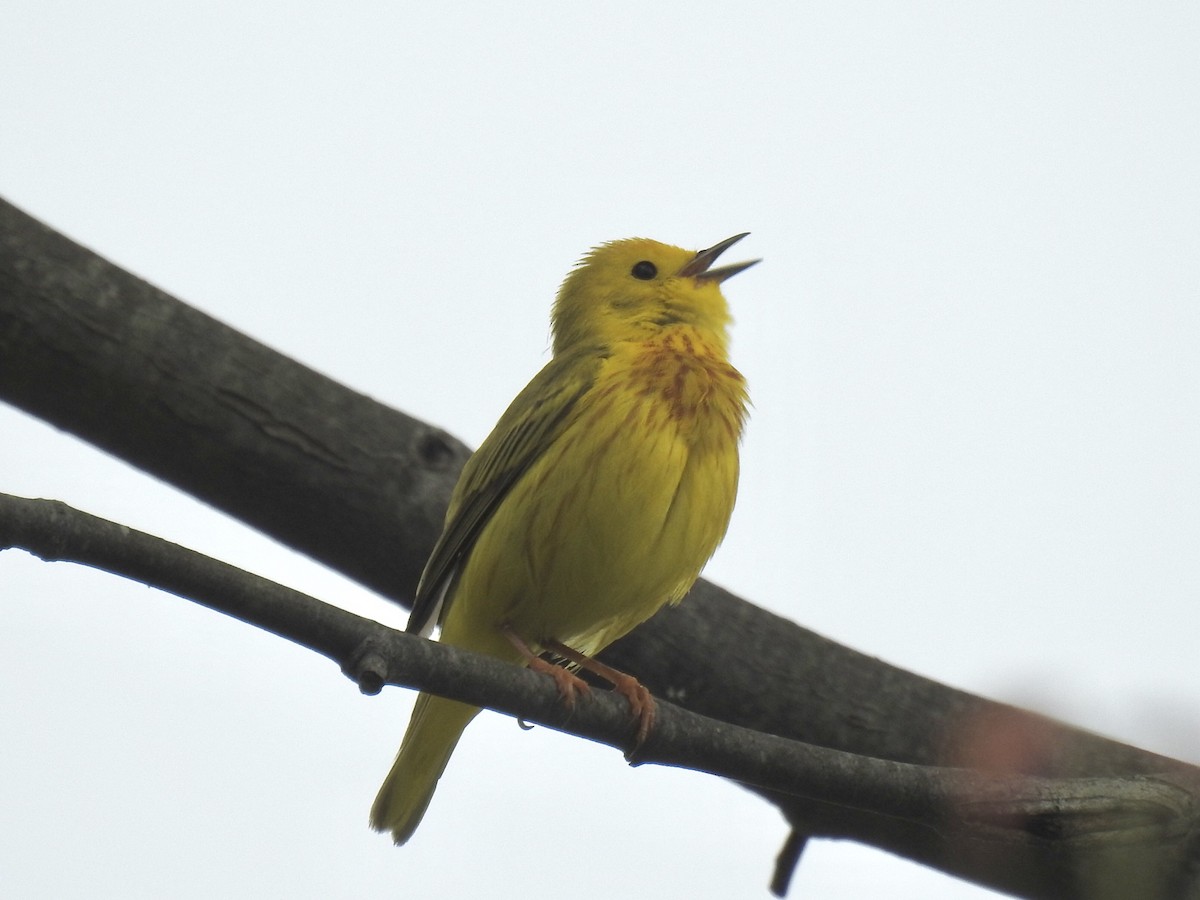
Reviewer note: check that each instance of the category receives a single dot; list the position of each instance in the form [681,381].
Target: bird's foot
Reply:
[569,684]
[641,701]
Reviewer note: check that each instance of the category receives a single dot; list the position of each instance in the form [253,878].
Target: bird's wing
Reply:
[531,423]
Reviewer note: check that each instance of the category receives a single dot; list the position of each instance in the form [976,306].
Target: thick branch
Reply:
[102,354]
[1045,831]
[362,488]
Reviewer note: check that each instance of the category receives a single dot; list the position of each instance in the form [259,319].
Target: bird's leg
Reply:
[569,684]
[641,701]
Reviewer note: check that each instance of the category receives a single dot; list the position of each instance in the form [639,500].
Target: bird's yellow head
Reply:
[627,290]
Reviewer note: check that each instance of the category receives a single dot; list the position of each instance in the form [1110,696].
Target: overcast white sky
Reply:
[972,349]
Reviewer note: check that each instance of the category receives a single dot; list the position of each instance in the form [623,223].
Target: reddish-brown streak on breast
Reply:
[686,374]
[675,393]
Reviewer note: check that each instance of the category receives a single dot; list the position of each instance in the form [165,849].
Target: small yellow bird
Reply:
[598,497]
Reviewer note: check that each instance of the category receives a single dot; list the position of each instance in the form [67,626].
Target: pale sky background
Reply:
[972,349]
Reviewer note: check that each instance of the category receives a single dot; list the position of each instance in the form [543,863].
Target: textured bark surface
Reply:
[102,354]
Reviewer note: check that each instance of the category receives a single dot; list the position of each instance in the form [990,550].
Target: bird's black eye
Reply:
[644,270]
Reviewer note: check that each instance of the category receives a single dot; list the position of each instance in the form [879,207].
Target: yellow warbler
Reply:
[598,497]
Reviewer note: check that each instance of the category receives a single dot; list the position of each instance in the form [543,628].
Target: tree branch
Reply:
[1047,829]
[100,353]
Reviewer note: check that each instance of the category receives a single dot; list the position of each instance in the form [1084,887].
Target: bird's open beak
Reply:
[698,266]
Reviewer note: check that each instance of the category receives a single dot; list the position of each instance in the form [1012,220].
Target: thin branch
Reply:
[1039,822]
[787,861]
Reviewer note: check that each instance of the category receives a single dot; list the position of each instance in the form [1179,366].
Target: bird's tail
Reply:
[433,732]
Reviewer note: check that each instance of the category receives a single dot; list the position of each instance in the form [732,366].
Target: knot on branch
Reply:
[438,450]
[367,667]
[1080,811]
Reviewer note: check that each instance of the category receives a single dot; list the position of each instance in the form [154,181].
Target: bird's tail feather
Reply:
[433,732]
